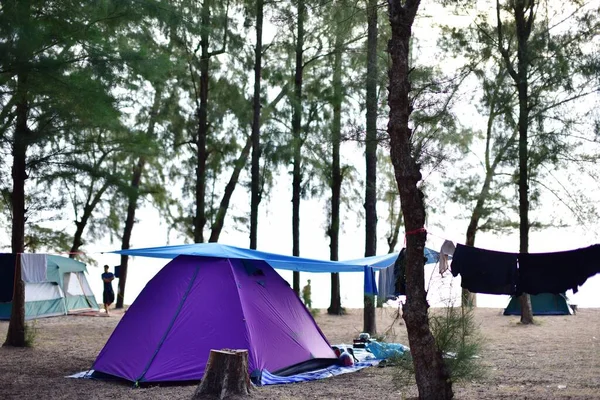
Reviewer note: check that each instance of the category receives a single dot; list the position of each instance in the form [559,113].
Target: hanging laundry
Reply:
[485,271]
[33,268]
[557,272]
[400,274]
[386,284]
[7,277]
[370,286]
[447,249]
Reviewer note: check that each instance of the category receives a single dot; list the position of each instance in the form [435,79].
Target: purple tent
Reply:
[195,304]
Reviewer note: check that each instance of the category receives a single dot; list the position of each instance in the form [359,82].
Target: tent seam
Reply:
[162,340]
[237,291]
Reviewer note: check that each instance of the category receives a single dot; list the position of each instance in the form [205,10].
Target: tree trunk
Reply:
[133,197]
[201,152]
[226,376]
[297,138]
[371,134]
[16,327]
[255,169]
[217,226]
[369,324]
[88,209]
[468,298]
[522,86]
[77,237]
[335,306]
[392,240]
[433,380]
[524,26]
[128,229]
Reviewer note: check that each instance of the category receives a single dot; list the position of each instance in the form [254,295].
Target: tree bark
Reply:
[468,298]
[128,229]
[523,31]
[524,25]
[255,168]
[88,209]
[217,226]
[369,324]
[433,380]
[392,239]
[335,306]
[297,138]
[226,376]
[202,133]
[22,138]
[133,197]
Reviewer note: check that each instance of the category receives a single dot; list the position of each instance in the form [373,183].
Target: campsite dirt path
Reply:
[557,359]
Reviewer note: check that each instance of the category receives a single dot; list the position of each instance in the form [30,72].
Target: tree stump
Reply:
[226,376]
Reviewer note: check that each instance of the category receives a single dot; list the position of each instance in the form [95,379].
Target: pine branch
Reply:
[504,51]
[225,28]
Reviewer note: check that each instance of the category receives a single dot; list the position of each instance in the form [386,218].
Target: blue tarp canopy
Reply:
[366,265]
[277,261]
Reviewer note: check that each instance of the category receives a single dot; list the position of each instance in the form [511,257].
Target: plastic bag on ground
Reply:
[384,351]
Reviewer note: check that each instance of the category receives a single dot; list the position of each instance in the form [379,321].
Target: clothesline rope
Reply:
[61,252]
[423,229]
[414,232]
[444,238]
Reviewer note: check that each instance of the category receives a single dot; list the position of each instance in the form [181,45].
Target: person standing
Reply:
[306,295]
[108,295]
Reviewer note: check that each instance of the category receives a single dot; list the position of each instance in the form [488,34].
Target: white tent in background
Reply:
[54,285]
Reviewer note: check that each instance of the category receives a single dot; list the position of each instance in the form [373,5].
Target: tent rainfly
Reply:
[541,304]
[195,304]
[213,296]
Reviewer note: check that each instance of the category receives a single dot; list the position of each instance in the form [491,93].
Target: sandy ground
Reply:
[559,358]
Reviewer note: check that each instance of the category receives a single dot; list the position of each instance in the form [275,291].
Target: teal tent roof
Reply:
[57,266]
[541,304]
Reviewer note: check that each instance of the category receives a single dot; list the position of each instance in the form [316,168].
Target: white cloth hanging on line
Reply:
[446,250]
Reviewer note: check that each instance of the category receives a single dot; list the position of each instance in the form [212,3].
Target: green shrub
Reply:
[31,332]
[457,337]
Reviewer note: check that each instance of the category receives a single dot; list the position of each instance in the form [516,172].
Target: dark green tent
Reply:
[541,304]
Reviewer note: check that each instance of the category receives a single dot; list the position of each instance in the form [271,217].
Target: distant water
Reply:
[441,290]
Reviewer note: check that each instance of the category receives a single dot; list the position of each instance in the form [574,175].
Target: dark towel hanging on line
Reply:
[400,274]
[485,271]
[7,276]
[557,272]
